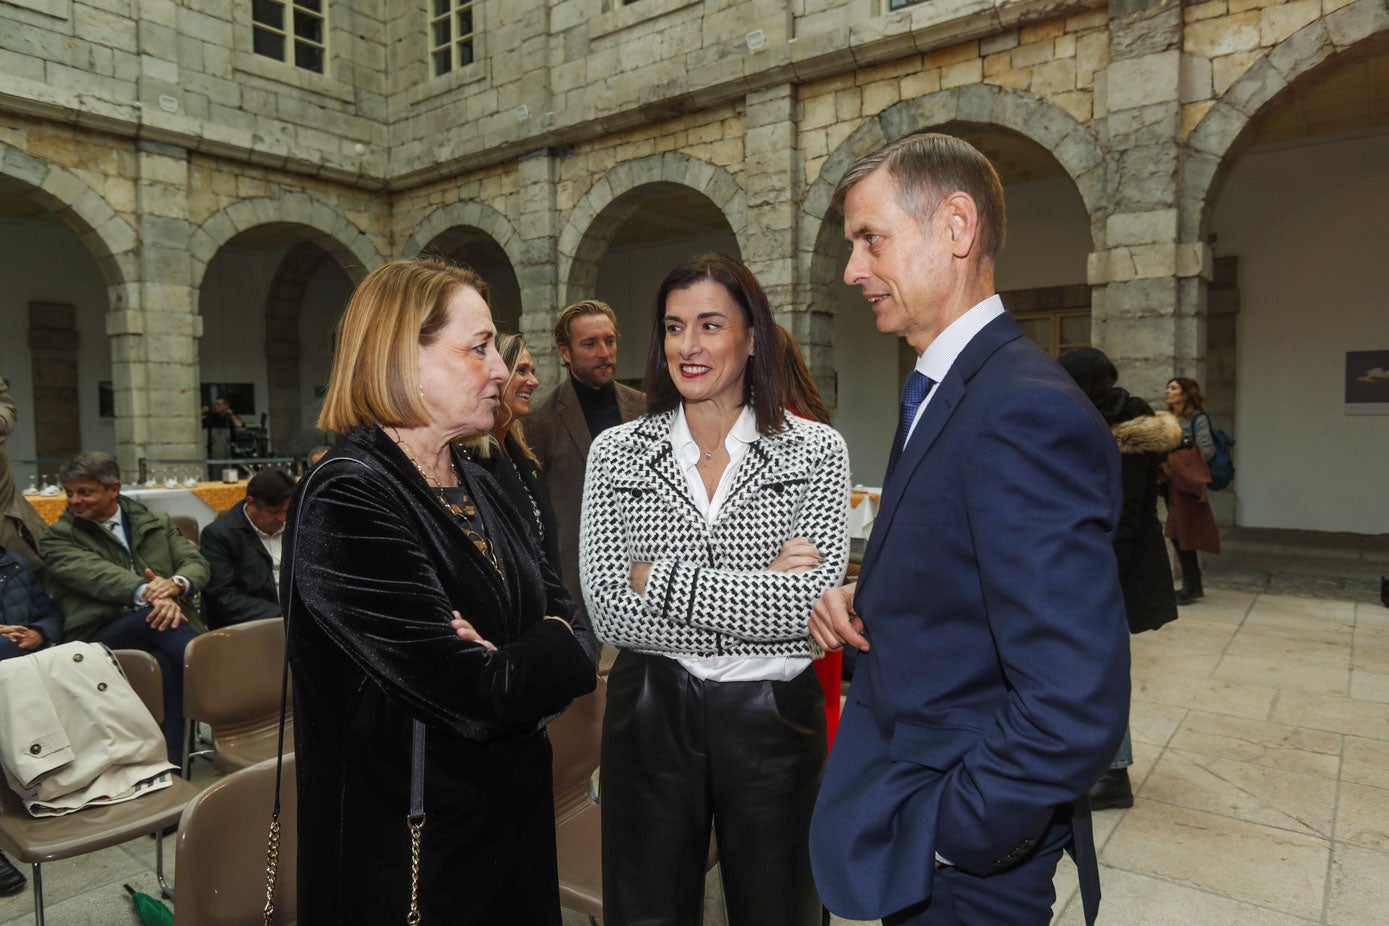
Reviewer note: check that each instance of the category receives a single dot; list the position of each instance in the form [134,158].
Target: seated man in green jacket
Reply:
[124,576]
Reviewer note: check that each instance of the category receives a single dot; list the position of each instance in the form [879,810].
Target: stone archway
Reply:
[1275,181]
[608,204]
[465,215]
[349,245]
[1069,141]
[1359,27]
[283,347]
[108,237]
[861,369]
[68,345]
[315,266]
[493,247]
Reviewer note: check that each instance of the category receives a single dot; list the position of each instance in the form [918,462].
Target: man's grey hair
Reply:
[929,166]
[93,466]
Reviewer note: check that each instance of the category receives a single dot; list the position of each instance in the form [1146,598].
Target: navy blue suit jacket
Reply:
[996,687]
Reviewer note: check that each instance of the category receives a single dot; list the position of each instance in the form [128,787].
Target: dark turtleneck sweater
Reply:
[599,405]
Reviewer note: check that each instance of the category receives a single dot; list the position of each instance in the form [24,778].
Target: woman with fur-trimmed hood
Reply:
[1145,574]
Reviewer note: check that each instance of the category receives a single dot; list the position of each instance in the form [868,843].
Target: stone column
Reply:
[282,345]
[154,354]
[1149,285]
[772,179]
[537,223]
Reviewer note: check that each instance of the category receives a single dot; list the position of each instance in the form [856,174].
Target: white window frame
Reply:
[289,34]
[455,40]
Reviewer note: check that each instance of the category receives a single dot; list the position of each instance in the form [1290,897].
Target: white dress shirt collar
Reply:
[273,544]
[264,537]
[940,356]
[937,359]
[116,525]
[688,452]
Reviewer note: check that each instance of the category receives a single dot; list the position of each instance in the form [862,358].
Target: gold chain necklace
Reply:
[464,513]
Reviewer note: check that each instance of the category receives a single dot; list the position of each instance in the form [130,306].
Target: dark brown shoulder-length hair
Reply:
[802,398]
[1194,401]
[762,377]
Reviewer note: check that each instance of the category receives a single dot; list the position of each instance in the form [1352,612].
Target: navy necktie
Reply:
[913,394]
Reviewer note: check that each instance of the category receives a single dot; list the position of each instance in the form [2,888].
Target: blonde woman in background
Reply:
[504,452]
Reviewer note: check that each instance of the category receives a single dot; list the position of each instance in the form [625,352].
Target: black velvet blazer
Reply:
[377,567]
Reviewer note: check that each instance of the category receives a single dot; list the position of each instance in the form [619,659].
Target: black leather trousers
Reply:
[681,754]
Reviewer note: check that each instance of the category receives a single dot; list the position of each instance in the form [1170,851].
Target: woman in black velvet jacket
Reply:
[417,594]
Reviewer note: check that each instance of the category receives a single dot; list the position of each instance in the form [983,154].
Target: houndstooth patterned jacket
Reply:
[709,592]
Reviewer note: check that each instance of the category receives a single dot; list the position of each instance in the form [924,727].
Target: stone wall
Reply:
[1055,61]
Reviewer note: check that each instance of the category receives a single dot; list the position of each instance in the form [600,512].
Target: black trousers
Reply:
[1191,567]
[681,754]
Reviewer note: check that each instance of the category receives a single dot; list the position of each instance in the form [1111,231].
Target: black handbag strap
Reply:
[417,773]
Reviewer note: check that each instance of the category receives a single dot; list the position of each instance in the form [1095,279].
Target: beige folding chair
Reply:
[575,737]
[187,526]
[221,849]
[231,681]
[49,839]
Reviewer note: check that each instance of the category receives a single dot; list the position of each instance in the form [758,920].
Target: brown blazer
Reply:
[557,432]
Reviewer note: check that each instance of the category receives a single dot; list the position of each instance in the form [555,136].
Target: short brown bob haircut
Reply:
[761,378]
[926,168]
[395,311]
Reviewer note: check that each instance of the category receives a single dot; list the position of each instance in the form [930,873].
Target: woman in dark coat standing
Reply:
[1144,439]
[419,602]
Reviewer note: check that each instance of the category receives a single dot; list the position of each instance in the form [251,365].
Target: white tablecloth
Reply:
[864,511]
[173,501]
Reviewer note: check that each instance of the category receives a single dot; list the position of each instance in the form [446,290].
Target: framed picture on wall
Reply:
[1367,382]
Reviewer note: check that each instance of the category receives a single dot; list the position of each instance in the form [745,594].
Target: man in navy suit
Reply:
[993,686]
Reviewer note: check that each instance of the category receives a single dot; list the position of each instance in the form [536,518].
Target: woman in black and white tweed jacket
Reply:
[710,526]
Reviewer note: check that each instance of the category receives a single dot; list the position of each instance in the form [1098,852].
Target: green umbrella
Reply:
[151,910]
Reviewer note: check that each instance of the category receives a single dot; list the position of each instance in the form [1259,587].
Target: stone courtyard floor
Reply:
[1261,739]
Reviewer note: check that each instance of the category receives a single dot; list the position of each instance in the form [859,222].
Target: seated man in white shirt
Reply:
[243,549]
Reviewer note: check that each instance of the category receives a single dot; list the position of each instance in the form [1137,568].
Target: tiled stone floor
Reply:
[1261,740]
